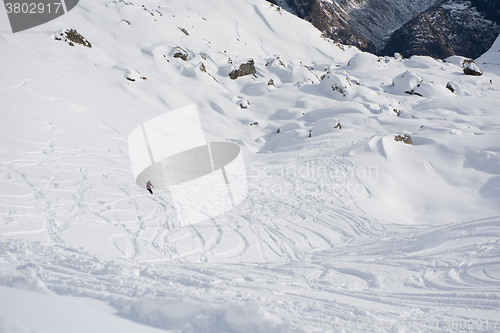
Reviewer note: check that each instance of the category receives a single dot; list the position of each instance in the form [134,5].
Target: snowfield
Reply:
[344,229]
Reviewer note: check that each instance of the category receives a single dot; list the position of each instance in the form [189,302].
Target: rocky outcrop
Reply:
[180,53]
[403,138]
[72,37]
[451,28]
[247,68]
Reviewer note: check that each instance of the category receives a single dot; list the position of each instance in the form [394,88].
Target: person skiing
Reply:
[150,187]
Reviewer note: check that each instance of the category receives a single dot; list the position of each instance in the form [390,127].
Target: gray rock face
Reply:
[366,24]
[247,68]
[437,28]
[451,28]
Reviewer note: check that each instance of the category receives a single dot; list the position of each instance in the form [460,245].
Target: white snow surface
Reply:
[345,230]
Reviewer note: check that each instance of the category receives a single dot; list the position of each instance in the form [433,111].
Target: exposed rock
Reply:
[184,31]
[449,86]
[412,92]
[340,89]
[72,37]
[470,68]
[338,126]
[247,68]
[181,53]
[404,138]
[241,101]
[271,83]
[244,104]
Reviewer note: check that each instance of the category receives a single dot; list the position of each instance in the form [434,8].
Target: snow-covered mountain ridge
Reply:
[342,224]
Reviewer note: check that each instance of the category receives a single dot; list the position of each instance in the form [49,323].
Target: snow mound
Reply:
[456,60]
[190,315]
[336,86]
[366,61]
[405,82]
[431,90]
[325,126]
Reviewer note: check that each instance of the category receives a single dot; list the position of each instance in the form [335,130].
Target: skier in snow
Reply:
[150,187]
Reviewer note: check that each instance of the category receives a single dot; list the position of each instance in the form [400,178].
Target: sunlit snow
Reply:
[343,227]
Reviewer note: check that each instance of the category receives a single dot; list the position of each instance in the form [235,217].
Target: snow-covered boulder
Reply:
[406,82]
[332,85]
[337,83]
[366,61]
[277,67]
[430,90]
[456,60]
[326,125]
[455,88]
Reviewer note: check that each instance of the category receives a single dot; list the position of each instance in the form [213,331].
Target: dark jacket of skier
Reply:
[149,187]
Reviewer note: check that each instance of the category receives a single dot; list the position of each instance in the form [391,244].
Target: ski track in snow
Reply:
[445,270]
[344,226]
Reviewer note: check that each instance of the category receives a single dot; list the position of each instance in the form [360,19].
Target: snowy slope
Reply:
[344,226]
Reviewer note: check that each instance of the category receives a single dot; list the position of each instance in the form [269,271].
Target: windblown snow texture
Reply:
[343,226]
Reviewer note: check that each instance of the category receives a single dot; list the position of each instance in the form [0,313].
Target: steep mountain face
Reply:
[455,27]
[490,8]
[437,28]
[362,23]
[327,18]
